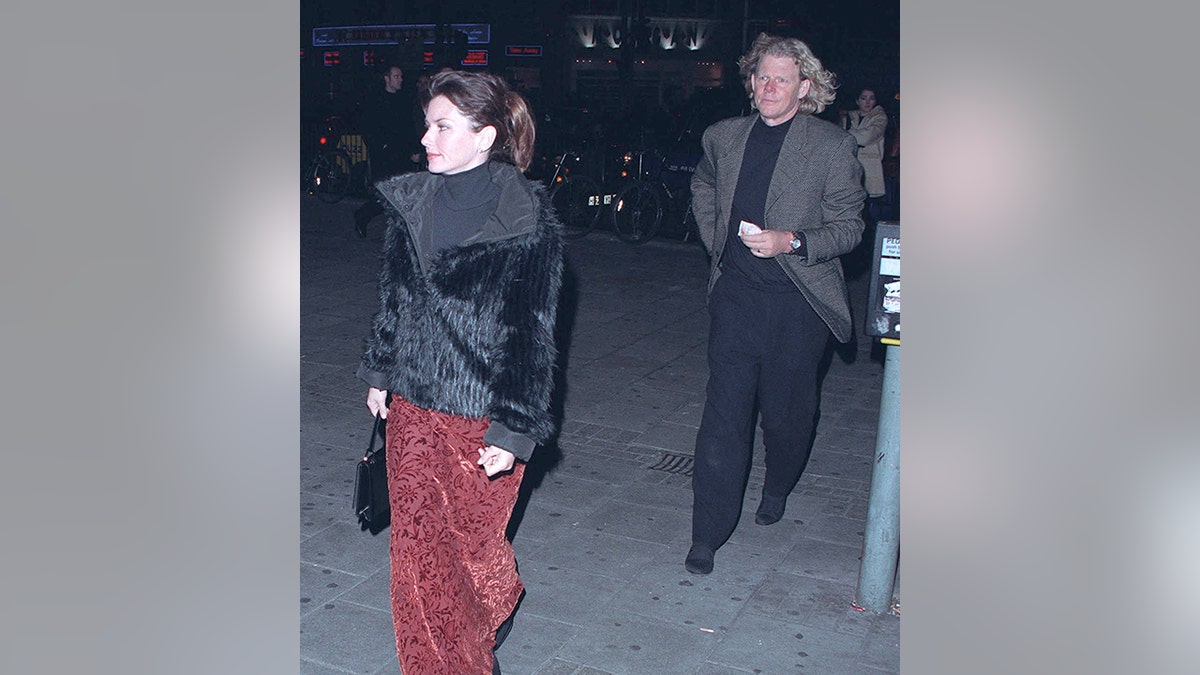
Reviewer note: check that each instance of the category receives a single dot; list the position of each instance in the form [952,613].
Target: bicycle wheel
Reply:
[577,202]
[637,212]
[329,177]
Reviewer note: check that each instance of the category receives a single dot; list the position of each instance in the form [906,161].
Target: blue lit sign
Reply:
[395,34]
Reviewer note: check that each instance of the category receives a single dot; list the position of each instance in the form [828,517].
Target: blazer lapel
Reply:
[790,168]
[731,167]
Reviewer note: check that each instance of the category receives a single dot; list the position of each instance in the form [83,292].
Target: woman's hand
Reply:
[495,459]
[377,402]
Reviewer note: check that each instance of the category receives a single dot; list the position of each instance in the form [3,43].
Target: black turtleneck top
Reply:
[750,204]
[460,208]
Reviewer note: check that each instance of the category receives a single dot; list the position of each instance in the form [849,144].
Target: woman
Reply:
[464,344]
[868,124]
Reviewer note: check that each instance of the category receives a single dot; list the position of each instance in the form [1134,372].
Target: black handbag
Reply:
[370,483]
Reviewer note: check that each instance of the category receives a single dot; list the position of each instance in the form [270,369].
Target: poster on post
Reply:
[883,302]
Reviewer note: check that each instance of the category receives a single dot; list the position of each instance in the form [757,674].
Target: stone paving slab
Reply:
[349,637]
[630,644]
[533,641]
[602,528]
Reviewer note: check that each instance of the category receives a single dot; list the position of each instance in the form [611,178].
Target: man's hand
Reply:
[768,243]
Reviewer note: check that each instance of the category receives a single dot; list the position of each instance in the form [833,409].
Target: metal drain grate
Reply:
[673,463]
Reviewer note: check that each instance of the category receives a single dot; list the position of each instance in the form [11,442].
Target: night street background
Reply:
[151,267]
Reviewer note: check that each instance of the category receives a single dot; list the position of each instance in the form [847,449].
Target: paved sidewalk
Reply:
[601,535]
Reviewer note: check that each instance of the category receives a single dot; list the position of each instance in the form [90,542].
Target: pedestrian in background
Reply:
[387,122]
[464,344]
[777,198]
[868,124]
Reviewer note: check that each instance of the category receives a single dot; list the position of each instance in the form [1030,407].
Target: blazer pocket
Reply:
[821,272]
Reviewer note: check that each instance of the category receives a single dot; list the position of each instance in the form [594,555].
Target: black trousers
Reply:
[385,162]
[763,348]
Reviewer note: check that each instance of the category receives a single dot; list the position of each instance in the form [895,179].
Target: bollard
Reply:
[881,543]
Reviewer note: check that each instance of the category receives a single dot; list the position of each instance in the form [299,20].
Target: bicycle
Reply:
[334,170]
[660,184]
[577,199]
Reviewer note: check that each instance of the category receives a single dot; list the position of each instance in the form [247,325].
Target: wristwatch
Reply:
[797,243]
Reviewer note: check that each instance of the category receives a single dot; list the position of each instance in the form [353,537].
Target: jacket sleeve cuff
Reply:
[518,444]
[802,252]
[371,377]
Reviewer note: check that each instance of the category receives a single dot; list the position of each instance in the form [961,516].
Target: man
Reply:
[387,123]
[777,197]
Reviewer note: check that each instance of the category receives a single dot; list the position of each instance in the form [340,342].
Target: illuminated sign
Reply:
[476,57]
[333,58]
[883,303]
[368,57]
[395,34]
[477,33]
[427,58]
[522,50]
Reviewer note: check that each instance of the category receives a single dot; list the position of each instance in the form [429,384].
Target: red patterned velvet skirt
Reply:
[454,575]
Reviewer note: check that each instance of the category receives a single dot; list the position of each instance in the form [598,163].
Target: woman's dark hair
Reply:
[488,101]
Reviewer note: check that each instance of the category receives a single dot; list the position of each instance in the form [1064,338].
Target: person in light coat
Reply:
[868,125]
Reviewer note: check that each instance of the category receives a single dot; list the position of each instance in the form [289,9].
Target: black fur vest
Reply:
[470,331]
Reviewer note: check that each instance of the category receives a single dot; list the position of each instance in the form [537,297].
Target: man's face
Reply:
[777,89]
[393,79]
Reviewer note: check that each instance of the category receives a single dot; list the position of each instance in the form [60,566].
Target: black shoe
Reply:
[770,509]
[364,214]
[699,559]
[503,631]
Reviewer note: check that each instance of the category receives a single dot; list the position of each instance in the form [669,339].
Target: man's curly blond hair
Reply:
[821,91]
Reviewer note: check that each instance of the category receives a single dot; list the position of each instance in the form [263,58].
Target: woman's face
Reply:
[451,145]
[866,100]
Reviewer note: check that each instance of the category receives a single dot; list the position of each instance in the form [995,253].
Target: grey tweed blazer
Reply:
[816,188]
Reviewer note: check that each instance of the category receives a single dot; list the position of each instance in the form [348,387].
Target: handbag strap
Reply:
[375,430]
